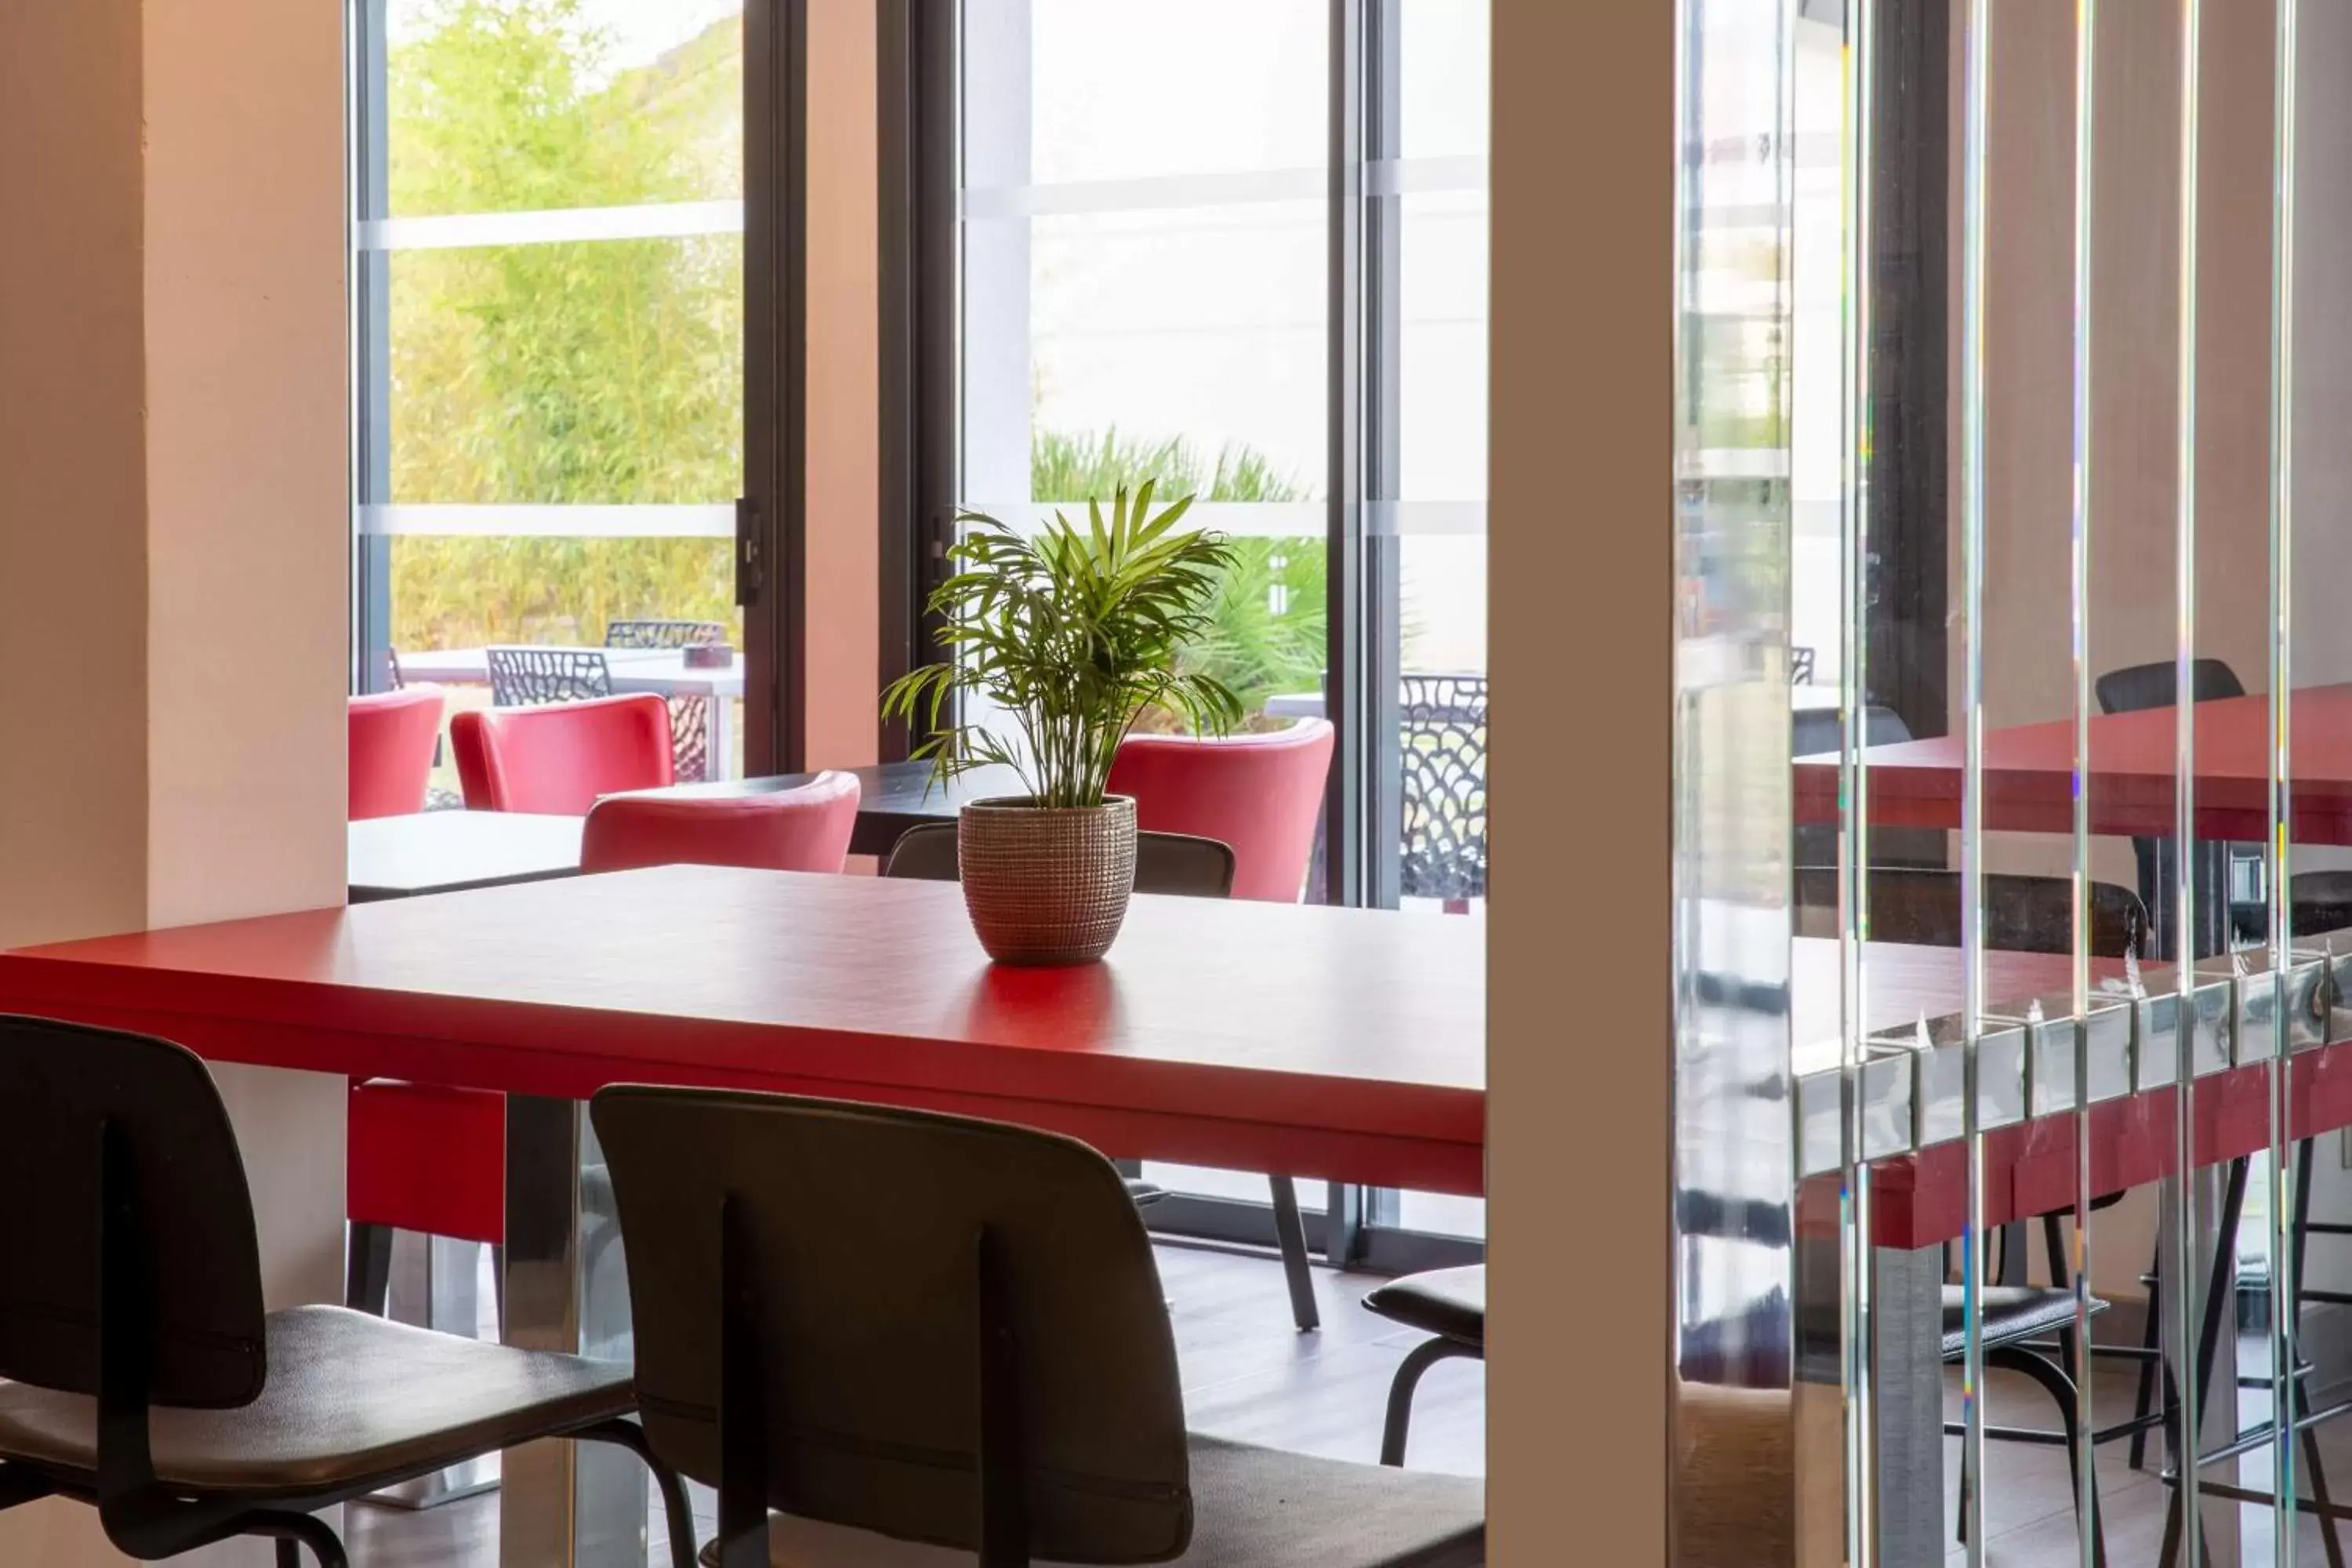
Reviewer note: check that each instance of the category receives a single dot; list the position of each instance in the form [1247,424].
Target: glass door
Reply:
[550,322]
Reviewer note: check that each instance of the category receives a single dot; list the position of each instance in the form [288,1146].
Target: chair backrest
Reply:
[1260,793]
[1443,757]
[663,634]
[1815,731]
[391,744]
[522,676]
[2154,685]
[558,759]
[79,1102]
[1172,863]
[859,1250]
[2022,914]
[803,829]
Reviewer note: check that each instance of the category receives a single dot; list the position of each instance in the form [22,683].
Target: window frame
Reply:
[920,49]
[766,520]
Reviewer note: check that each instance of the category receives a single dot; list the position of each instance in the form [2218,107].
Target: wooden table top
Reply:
[2029,773]
[447,851]
[1343,1044]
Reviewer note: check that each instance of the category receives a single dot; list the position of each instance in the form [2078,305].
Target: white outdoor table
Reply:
[661,670]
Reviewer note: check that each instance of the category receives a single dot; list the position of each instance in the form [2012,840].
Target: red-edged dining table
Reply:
[1341,1044]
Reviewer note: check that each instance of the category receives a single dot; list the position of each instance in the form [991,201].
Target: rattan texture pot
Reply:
[1047,884]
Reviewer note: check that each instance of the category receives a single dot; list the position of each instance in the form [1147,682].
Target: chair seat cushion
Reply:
[1252,1508]
[2011,1312]
[350,1401]
[1448,1301]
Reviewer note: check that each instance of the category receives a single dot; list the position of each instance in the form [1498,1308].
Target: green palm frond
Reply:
[1075,631]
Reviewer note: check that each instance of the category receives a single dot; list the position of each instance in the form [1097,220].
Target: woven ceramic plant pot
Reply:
[1047,885]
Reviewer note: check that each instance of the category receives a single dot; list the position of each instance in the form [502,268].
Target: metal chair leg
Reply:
[292,1532]
[1290,1235]
[2054,1381]
[2150,1339]
[1400,1392]
[367,1272]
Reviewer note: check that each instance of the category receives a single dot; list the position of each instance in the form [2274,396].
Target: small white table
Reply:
[660,670]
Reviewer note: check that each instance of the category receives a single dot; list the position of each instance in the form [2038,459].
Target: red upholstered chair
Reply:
[803,829]
[1260,793]
[391,749]
[434,1160]
[558,758]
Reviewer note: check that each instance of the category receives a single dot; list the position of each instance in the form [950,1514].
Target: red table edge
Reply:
[1424,1137]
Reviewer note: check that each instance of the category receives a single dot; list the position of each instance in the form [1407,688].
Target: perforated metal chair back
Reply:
[1172,863]
[664,634]
[2022,914]
[1444,786]
[845,1306]
[524,677]
[92,1123]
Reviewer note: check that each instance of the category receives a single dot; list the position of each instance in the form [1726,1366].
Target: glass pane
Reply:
[534,366]
[498,106]
[603,372]
[1267,58]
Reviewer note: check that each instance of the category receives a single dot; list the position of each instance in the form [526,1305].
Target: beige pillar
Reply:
[1580,1044]
[174,528]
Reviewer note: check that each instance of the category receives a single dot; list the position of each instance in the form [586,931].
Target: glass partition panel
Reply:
[2008,359]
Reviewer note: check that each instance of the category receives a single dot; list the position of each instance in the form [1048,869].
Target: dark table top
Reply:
[443,851]
[893,797]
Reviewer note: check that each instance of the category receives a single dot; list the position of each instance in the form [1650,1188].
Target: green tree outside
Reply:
[612,372]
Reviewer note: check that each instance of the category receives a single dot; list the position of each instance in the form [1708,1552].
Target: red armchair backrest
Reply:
[558,758]
[1260,793]
[391,749]
[803,829]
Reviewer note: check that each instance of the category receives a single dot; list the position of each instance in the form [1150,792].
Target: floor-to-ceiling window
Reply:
[1237,248]
[550,344]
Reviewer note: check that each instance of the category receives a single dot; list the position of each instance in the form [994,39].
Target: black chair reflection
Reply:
[1816,732]
[893,1323]
[2021,914]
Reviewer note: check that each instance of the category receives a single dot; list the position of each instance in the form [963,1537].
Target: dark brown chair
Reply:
[897,1327]
[143,1375]
[1172,863]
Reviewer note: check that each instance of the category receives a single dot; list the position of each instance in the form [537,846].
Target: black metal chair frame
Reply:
[148,1520]
[1443,787]
[526,677]
[690,714]
[1407,1383]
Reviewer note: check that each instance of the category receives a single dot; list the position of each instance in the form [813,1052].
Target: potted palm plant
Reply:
[1073,632]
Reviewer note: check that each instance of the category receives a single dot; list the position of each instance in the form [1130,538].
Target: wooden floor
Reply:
[1249,1374]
